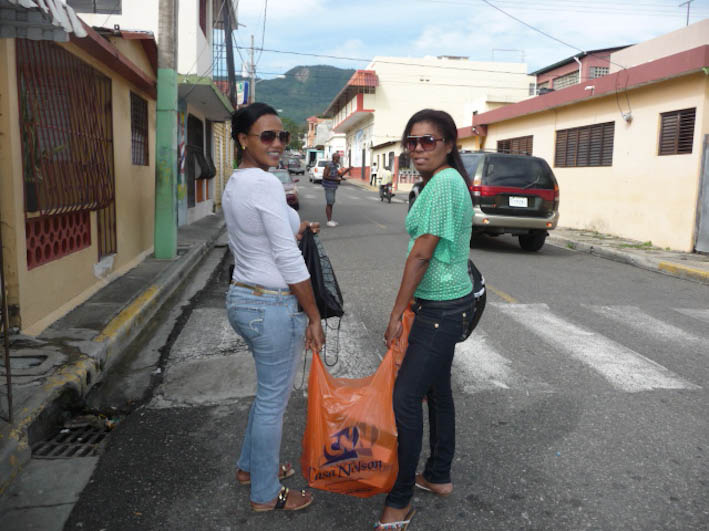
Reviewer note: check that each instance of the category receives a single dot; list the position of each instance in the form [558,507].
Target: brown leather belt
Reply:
[259,290]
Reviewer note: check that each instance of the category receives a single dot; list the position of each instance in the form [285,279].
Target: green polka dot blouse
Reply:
[444,209]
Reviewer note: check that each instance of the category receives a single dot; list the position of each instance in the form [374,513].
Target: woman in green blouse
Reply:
[436,277]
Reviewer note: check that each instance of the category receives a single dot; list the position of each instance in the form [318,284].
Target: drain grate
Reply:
[86,441]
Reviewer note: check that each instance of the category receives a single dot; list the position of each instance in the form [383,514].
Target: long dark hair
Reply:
[244,118]
[446,125]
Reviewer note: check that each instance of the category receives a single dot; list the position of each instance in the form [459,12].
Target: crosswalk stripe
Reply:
[477,366]
[702,315]
[622,367]
[639,320]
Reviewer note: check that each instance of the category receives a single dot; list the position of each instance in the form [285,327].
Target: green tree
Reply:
[296,133]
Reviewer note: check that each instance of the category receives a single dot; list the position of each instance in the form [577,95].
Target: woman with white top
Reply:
[270,280]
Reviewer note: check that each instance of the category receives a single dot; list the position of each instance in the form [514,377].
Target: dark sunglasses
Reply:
[267,137]
[428,142]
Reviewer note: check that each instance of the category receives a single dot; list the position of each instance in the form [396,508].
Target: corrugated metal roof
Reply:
[51,20]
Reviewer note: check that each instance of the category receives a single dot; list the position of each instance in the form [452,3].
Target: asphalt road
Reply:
[581,399]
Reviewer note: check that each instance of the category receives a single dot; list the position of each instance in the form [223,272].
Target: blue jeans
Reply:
[426,372]
[274,330]
[330,195]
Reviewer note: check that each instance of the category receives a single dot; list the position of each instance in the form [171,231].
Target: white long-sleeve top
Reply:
[262,228]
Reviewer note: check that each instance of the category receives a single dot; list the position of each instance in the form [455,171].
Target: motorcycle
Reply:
[385,192]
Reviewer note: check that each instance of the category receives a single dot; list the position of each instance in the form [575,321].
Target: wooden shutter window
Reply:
[591,145]
[677,132]
[521,145]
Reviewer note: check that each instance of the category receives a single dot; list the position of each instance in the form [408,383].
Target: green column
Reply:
[166,166]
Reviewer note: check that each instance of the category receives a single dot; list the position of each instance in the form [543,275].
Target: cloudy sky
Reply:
[415,28]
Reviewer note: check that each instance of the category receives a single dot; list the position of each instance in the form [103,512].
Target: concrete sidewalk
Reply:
[63,363]
[688,266]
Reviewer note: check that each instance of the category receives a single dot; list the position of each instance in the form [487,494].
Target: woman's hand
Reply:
[393,331]
[314,336]
[312,225]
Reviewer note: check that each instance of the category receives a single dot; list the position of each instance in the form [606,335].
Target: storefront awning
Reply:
[45,20]
[203,95]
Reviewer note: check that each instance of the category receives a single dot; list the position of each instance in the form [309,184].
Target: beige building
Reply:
[77,166]
[629,149]
[201,105]
[373,107]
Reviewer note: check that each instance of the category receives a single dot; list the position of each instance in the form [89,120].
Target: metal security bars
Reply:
[677,132]
[139,130]
[66,131]
[106,225]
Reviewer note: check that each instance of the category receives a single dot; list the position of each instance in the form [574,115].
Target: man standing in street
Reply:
[332,175]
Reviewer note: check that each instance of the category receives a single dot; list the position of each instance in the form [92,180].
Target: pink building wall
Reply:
[586,63]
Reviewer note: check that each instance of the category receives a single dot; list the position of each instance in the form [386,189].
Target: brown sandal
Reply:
[282,500]
[284,472]
[441,489]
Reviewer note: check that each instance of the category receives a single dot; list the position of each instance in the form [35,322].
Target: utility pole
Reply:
[165,234]
[687,3]
[252,83]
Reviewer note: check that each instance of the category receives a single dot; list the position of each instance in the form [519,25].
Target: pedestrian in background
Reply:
[436,276]
[373,174]
[331,179]
[269,281]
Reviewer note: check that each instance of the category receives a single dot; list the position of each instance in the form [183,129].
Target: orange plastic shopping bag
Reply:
[400,345]
[350,445]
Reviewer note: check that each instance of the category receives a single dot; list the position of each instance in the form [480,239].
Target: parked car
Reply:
[316,171]
[512,194]
[295,166]
[289,186]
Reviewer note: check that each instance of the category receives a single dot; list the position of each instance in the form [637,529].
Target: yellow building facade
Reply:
[66,232]
[647,183]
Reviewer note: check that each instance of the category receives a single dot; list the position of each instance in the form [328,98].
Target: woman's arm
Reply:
[314,335]
[414,270]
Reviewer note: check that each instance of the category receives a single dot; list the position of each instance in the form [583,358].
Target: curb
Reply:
[94,358]
[651,264]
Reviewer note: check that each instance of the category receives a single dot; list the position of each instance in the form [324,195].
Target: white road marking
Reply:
[643,322]
[702,315]
[477,366]
[622,367]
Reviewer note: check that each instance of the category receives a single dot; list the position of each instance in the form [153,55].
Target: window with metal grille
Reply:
[541,86]
[96,6]
[677,132]
[598,71]
[566,80]
[66,130]
[591,145]
[532,89]
[521,145]
[139,130]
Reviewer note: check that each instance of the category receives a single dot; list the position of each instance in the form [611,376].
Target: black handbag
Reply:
[480,294]
[328,296]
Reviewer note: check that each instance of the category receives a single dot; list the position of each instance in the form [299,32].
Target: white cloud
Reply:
[417,28]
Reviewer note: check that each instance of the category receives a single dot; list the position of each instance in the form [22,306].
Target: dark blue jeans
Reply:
[426,372]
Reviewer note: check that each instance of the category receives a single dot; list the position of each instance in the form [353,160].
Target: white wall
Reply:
[407,85]
[689,37]
[194,55]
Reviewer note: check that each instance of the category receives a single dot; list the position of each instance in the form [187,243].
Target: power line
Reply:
[547,34]
[263,31]
[383,61]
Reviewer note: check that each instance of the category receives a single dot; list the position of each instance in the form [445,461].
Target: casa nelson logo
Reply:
[348,455]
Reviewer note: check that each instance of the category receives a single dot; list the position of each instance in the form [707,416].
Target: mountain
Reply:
[305,91]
